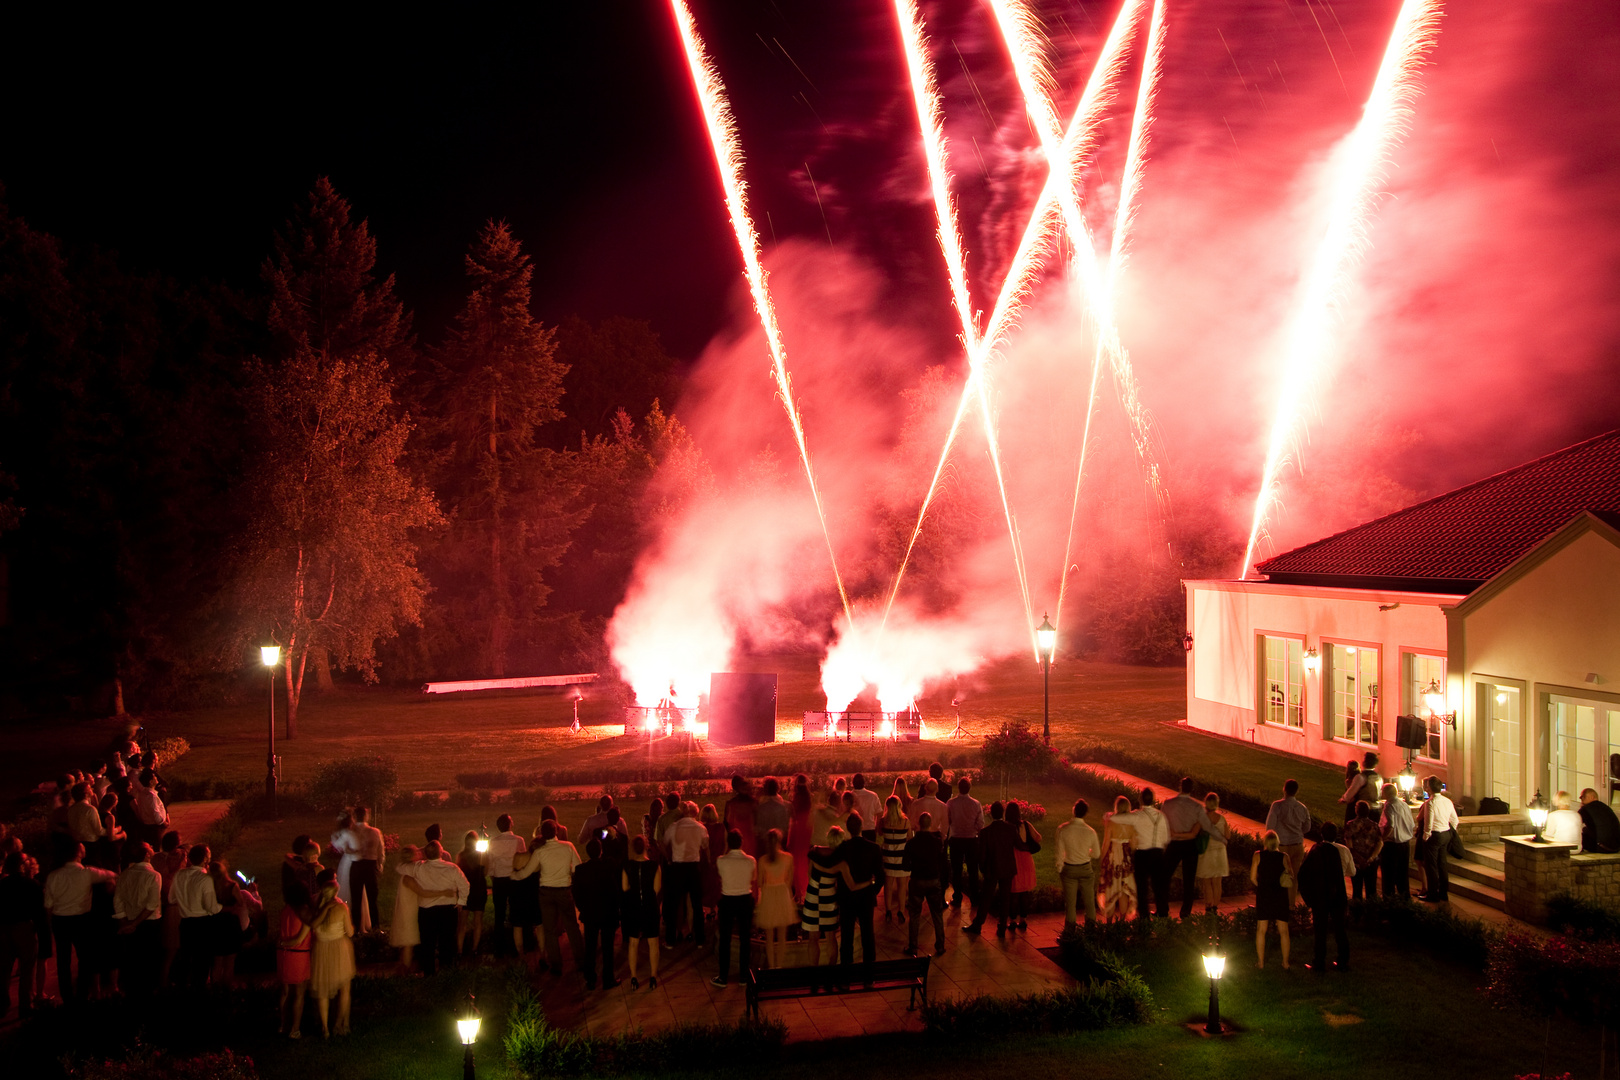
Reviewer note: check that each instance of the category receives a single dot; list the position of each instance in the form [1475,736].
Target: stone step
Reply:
[1472,871]
[1486,855]
[1479,893]
[1471,880]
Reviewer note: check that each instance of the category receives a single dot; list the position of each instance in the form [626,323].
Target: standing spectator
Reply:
[615,836]
[83,817]
[107,852]
[1360,783]
[405,923]
[549,813]
[225,928]
[771,812]
[346,844]
[924,859]
[363,875]
[1268,871]
[927,802]
[964,818]
[687,843]
[22,914]
[597,823]
[138,910]
[903,793]
[826,817]
[1439,825]
[737,882]
[168,863]
[740,813]
[298,869]
[1024,850]
[293,948]
[557,860]
[68,901]
[1149,865]
[1119,863]
[1187,820]
[331,968]
[640,882]
[443,889]
[1600,829]
[526,918]
[502,847]
[1290,819]
[776,911]
[862,862]
[1213,865]
[1362,838]
[1563,824]
[1396,830]
[998,845]
[818,915]
[894,831]
[1077,856]
[800,830]
[193,895]
[597,885]
[867,804]
[1321,882]
[149,807]
[470,921]
[709,818]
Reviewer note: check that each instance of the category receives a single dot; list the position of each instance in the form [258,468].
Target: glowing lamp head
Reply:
[270,655]
[1538,817]
[1046,638]
[1408,781]
[1214,965]
[1313,661]
[467,1023]
[1433,699]
[481,845]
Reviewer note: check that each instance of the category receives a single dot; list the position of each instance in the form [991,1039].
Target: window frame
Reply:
[1330,715]
[1263,682]
[1436,729]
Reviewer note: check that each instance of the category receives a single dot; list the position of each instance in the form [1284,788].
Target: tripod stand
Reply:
[958,730]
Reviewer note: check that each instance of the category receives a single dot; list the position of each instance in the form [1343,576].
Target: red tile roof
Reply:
[1454,542]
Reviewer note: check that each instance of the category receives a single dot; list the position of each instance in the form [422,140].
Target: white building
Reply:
[1491,613]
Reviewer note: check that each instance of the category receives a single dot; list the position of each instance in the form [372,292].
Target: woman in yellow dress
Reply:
[332,964]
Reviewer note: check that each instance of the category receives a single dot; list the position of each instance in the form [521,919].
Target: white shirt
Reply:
[556,860]
[1441,815]
[687,839]
[436,874]
[140,888]
[1347,862]
[928,804]
[1151,826]
[148,807]
[67,889]
[870,807]
[502,846]
[1077,844]
[1563,827]
[84,823]
[1397,822]
[193,892]
[736,873]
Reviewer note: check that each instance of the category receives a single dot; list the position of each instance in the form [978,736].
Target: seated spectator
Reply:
[1563,824]
[1600,829]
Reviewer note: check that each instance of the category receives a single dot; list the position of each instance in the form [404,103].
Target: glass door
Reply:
[1583,734]
[1507,776]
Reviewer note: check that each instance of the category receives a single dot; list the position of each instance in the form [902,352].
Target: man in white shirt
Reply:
[1151,867]
[1395,857]
[964,817]
[367,864]
[149,808]
[557,860]
[193,894]
[929,803]
[67,900]
[444,889]
[1078,853]
[687,842]
[1290,819]
[869,805]
[502,846]
[138,909]
[1439,824]
[83,819]
[737,883]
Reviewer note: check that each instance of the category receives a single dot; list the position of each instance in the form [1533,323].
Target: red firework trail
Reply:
[1358,169]
[1079,141]
[728,157]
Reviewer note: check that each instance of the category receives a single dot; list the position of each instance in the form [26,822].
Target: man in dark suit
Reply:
[1321,885]
[596,894]
[997,843]
[857,897]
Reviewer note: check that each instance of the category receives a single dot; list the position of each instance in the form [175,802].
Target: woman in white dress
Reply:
[403,930]
[347,845]
[1118,869]
[1212,864]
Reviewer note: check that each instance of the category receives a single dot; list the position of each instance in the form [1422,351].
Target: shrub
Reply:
[1582,918]
[1016,752]
[1556,975]
[1087,1007]
[1459,937]
[1032,812]
[369,780]
[168,749]
[144,1063]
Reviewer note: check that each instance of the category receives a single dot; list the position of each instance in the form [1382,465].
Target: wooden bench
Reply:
[775,984]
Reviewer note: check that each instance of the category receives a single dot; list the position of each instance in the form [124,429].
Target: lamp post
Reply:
[467,1029]
[270,655]
[1408,783]
[1046,639]
[1538,816]
[1214,966]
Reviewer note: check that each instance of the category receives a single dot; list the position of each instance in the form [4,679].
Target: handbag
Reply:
[1202,842]
[1286,880]
[1454,846]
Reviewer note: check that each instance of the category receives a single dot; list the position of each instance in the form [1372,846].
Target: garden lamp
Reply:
[1214,967]
[1408,782]
[1046,642]
[270,656]
[1538,816]
[467,1029]
[481,845]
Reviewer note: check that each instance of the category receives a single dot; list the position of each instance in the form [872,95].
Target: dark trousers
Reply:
[855,909]
[1394,862]
[140,954]
[196,950]
[993,900]
[599,939]
[683,881]
[557,915]
[1152,872]
[363,875]
[1182,854]
[1365,881]
[501,889]
[964,868]
[19,946]
[72,934]
[1323,921]
[438,928]
[933,892]
[1437,877]
[736,917]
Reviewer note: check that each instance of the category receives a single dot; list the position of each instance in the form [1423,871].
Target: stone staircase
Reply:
[1481,874]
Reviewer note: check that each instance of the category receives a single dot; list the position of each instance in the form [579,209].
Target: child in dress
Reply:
[331,968]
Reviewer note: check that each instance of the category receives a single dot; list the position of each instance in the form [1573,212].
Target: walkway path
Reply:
[1239,823]
[192,819]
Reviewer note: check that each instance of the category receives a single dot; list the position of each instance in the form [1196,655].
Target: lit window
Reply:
[1282,681]
[1418,674]
[1351,676]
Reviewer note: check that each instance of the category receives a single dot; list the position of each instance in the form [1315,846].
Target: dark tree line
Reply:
[187,472]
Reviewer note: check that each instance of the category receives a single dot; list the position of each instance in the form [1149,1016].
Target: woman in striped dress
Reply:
[819,913]
[894,830]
